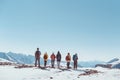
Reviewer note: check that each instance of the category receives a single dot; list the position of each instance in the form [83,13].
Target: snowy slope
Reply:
[4,60]
[5,56]
[9,73]
[115,63]
[113,60]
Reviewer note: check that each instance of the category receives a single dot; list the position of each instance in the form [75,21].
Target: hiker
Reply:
[75,58]
[45,59]
[52,59]
[68,59]
[37,57]
[58,57]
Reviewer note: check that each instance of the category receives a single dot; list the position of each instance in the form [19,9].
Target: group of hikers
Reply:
[55,57]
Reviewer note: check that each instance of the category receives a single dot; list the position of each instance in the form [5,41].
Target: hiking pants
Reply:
[45,62]
[68,64]
[58,64]
[52,63]
[37,60]
[75,64]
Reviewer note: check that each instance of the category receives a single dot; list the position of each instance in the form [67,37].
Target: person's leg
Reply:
[45,63]
[53,63]
[58,62]
[35,62]
[74,64]
[68,65]
[39,62]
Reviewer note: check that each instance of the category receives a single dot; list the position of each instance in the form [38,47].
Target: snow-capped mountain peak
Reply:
[113,60]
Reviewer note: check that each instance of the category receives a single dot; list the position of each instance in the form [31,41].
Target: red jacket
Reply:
[52,57]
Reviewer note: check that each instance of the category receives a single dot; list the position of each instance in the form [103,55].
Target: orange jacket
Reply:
[68,58]
[45,57]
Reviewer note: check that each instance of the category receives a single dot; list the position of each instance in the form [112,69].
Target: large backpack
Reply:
[75,57]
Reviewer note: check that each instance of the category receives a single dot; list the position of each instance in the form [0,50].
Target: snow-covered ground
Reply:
[11,73]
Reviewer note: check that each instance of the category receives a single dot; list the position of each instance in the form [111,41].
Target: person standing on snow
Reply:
[68,59]
[45,59]
[37,57]
[52,59]
[75,58]
[58,57]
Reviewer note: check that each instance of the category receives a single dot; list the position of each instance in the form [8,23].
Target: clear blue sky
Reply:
[90,28]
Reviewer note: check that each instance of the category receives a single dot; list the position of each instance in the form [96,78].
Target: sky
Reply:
[90,28]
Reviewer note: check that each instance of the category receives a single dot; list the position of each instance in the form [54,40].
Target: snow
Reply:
[11,73]
[4,60]
[116,62]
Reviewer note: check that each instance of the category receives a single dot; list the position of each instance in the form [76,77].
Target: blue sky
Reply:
[90,28]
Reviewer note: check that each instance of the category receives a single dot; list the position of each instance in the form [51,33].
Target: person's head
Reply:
[37,49]
[52,53]
[45,52]
[58,52]
[68,53]
[76,54]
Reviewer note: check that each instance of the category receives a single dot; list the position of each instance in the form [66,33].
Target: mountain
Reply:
[18,58]
[114,63]
[113,60]
[21,58]
[5,56]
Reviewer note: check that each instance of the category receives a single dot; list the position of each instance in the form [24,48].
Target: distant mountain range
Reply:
[30,59]
[17,58]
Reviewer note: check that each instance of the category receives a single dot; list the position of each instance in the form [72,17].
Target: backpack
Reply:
[75,57]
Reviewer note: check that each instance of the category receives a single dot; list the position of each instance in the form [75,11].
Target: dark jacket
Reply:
[58,56]
[37,54]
